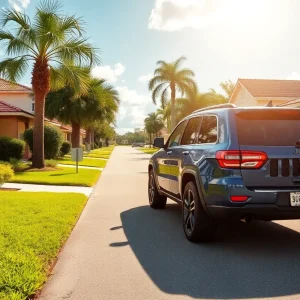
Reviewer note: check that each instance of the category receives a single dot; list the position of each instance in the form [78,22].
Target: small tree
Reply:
[52,142]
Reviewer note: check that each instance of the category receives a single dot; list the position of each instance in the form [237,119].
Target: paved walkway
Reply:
[122,249]
[48,188]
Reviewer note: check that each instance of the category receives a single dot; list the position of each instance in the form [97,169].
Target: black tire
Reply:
[197,225]
[156,200]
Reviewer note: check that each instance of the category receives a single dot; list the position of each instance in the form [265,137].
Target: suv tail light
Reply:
[241,159]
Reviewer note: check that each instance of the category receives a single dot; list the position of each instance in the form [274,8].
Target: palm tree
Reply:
[170,76]
[55,46]
[100,103]
[228,87]
[153,124]
[196,100]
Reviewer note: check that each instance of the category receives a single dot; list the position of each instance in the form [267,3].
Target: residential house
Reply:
[17,112]
[259,92]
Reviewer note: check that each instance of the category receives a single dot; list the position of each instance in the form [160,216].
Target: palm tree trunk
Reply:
[41,86]
[150,139]
[75,137]
[38,132]
[173,111]
[92,138]
[89,136]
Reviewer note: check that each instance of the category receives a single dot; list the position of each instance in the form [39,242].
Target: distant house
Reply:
[259,92]
[17,112]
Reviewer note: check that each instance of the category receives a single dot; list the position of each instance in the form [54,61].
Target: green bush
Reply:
[100,144]
[6,173]
[83,147]
[50,163]
[52,141]
[11,148]
[95,146]
[65,148]
[18,165]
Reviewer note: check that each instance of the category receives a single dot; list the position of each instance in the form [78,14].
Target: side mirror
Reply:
[159,142]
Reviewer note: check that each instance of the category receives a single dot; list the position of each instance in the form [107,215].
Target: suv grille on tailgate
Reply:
[284,167]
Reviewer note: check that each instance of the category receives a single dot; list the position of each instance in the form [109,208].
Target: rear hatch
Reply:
[276,132]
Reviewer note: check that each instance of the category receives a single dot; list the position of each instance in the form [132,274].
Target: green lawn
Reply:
[149,150]
[104,152]
[63,176]
[86,162]
[33,227]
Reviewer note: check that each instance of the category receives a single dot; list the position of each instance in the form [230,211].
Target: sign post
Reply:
[77,156]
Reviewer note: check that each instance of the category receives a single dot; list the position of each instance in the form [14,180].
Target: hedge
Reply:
[6,173]
[11,148]
[52,141]
[65,148]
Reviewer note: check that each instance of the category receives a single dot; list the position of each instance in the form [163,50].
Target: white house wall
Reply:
[23,101]
[243,98]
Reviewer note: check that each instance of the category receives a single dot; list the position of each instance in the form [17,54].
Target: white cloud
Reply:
[294,76]
[18,4]
[109,73]
[145,78]
[133,109]
[172,15]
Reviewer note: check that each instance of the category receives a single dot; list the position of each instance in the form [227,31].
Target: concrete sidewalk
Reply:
[49,188]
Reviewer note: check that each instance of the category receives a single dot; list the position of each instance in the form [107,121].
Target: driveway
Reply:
[122,249]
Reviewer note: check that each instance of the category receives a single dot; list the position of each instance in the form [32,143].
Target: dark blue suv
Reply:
[229,162]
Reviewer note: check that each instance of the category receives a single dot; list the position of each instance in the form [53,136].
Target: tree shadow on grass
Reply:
[64,174]
[245,260]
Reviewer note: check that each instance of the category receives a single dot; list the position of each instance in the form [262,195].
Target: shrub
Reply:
[50,163]
[95,146]
[17,165]
[6,173]
[11,148]
[100,144]
[52,141]
[65,148]
[83,147]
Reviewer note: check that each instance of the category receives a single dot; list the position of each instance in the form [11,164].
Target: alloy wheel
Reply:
[189,211]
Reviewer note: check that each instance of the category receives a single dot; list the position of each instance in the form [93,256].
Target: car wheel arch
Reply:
[191,175]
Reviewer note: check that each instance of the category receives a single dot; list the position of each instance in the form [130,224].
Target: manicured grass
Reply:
[63,176]
[104,152]
[149,150]
[33,227]
[86,162]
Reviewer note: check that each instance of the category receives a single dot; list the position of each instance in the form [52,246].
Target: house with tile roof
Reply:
[17,112]
[259,92]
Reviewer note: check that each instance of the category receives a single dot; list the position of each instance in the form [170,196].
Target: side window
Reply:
[191,131]
[176,135]
[209,130]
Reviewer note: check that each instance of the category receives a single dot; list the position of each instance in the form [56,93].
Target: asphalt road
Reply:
[122,249]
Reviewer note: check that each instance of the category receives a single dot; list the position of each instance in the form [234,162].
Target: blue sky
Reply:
[222,39]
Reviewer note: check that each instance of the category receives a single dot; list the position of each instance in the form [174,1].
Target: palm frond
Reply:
[14,68]
[71,25]
[179,61]
[185,73]
[163,97]
[77,50]
[69,75]
[156,80]
[157,91]
[12,15]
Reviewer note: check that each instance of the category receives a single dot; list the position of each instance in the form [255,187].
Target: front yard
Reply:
[33,227]
[89,162]
[61,176]
[148,150]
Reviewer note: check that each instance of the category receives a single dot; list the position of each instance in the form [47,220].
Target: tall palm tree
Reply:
[171,77]
[153,124]
[100,103]
[55,46]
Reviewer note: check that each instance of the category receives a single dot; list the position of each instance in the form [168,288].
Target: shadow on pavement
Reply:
[245,260]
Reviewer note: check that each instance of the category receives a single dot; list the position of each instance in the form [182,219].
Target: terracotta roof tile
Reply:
[5,107]
[12,86]
[272,87]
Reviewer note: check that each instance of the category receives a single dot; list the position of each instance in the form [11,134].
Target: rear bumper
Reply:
[255,211]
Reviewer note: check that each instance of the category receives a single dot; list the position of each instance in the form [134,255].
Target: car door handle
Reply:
[186,152]
[169,152]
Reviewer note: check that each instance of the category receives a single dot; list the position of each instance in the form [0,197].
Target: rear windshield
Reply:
[268,127]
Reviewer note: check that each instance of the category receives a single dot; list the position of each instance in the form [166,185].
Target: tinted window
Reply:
[268,127]
[176,135]
[191,132]
[209,130]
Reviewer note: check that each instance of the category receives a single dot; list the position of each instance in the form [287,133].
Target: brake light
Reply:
[239,198]
[241,159]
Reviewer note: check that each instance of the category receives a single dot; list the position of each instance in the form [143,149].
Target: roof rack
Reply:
[225,105]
